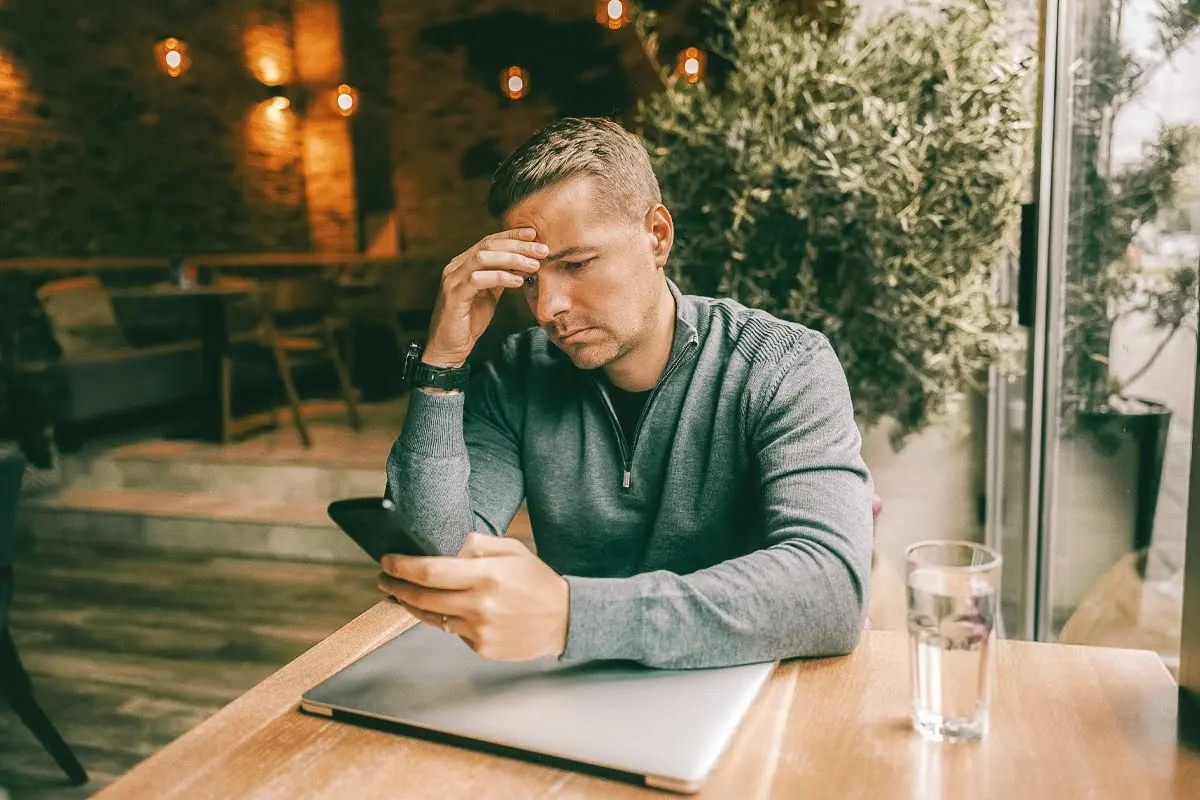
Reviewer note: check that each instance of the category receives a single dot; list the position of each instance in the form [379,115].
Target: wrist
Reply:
[435,359]
[430,369]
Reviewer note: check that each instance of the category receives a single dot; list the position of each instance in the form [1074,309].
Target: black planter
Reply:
[1146,424]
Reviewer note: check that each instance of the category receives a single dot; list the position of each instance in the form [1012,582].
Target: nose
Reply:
[552,299]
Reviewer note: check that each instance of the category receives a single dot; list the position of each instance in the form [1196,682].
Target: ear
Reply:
[660,229]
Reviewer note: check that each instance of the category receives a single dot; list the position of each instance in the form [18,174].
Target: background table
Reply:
[1068,722]
[212,301]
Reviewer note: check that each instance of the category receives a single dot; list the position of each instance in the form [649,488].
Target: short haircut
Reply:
[575,146]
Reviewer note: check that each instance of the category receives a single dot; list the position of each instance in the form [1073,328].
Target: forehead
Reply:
[565,213]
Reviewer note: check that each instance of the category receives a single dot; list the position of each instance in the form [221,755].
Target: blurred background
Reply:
[223,221]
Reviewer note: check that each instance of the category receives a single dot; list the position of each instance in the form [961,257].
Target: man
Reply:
[691,467]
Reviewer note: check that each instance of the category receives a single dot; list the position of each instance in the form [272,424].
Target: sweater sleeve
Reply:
[804,593]
[456,466]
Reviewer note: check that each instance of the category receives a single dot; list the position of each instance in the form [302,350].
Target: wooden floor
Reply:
[128,650]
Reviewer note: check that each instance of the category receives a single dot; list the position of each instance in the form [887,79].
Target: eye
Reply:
[573,266]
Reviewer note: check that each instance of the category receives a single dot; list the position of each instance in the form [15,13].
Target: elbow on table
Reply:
[840,633]
[845,637]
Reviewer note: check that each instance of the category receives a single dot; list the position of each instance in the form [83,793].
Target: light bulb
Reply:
[171,55]
[691,65]
[514,82]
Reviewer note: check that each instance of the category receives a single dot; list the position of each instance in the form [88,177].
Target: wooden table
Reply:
[1068,722]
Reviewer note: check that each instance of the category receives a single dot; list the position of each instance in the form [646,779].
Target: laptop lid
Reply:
[666,727]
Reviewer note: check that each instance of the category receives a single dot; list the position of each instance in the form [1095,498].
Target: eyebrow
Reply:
[569,251]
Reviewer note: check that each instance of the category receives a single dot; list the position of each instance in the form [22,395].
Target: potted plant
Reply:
[861,179]
[1115,209]
[861,182]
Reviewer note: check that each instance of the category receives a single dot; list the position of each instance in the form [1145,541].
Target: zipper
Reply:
[628,451]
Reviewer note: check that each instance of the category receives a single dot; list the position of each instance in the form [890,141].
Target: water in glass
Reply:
[951,618]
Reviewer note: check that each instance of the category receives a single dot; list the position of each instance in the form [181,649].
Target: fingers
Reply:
[489,269]
[521,234]
[432,601]
[492,279]
[449,624]
[502,251]
[433,572]
[535,250]
[503,259]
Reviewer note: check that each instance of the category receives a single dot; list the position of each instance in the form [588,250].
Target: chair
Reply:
[398,297]
[294,319]
[15,686]
[97,373]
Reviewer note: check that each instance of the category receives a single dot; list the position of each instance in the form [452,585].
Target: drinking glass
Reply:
[953,601]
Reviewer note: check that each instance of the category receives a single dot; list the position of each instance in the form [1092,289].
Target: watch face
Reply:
[411,359]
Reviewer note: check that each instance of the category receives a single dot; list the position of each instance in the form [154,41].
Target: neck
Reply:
[640,369]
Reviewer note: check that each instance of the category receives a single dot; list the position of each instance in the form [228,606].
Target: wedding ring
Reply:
[445,621]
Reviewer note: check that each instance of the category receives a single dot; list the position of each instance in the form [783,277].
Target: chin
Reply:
[591,357]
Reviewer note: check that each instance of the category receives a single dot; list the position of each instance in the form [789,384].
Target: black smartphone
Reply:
[375,526]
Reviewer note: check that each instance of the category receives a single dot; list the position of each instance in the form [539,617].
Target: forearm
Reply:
[428,471]
[793,599]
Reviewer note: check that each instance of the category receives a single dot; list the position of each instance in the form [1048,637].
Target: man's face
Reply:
[597,293]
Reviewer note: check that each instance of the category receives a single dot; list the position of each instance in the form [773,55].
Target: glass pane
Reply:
[1119,484]
[1007,488]
[964,478]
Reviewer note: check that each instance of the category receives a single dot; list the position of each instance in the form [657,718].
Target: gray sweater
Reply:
[735,528]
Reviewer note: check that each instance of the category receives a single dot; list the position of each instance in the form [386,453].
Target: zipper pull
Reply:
[625,482]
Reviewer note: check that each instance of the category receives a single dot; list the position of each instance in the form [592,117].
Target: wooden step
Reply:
[272,483]
[190,521]
[205,522]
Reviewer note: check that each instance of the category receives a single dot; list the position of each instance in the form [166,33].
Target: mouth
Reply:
[568,338]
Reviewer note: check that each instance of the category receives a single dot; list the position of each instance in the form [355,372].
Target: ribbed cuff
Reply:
[604,621]
[434,425]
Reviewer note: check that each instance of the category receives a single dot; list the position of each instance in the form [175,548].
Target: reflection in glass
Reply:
[1128,322]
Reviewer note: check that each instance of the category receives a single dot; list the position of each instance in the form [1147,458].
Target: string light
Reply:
[346,101]
[172,56]
[612,14]
[691,65]
[514,82]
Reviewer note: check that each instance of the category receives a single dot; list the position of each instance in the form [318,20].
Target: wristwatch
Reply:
[418,374]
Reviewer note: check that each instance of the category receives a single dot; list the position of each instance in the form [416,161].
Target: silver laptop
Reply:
[664,727]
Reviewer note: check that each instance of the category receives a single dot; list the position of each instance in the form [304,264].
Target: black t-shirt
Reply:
[628,406]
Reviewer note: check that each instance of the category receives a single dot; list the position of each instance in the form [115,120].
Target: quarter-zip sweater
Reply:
[734,527]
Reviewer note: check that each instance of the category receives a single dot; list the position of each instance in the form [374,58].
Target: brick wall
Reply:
[269,161]
[438,114]
[449,116]
[327,151]
[128,161]
[287,178]
[17,119]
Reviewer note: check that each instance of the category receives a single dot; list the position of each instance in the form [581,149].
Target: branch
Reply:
[1153,357]
[1146,74]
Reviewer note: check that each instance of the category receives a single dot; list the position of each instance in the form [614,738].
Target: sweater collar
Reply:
[686,319]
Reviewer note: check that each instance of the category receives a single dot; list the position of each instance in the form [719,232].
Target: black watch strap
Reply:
[419,375]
